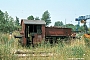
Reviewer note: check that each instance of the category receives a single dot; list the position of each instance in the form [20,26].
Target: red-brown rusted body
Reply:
[23,33]
[36,38]
[34,31]
[39,37]
[54,31]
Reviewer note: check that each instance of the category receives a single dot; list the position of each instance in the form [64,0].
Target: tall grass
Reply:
[87,42]
[64,50]
[6,47]
[75,48]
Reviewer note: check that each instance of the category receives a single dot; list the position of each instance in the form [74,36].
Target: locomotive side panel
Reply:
[23,33]
[67,31]
[43,31]
[52,31]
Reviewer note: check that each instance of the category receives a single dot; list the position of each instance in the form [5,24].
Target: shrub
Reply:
[87,42]
[5,53]
[78,51]
[5,48]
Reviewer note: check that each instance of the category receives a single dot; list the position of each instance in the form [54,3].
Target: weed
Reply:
[78,51]
[87,42]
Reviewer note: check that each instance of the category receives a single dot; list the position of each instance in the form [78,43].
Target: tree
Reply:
[46,17]
[1,16]
[58,23]
[11,25]
[6,22]
[71,26]
[37,18]
[81,28]
[17,24]
[30,18]
[2,20]
[17,21]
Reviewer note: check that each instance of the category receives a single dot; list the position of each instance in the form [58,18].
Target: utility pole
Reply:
[65,23]
[89,24]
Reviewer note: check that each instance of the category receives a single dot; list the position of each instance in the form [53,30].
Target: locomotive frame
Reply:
[35,31]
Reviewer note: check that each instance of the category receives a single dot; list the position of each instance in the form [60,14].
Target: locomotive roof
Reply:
[33,21]
[59,27]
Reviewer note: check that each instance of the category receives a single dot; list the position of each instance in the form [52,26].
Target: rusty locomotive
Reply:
[35,31]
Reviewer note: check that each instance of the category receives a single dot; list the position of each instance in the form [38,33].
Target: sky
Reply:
[60,10]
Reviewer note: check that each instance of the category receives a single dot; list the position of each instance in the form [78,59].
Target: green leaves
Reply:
[58,23]
[46,17]
[17,21]
[37,18]
[78,51]
[30,18]
[7,23]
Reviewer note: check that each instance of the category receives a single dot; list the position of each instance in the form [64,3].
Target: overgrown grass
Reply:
[6,44]
[87,42]
[74,48]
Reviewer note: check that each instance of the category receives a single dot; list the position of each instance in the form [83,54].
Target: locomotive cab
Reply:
[33,31]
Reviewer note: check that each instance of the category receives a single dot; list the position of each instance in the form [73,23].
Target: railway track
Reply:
[34,54]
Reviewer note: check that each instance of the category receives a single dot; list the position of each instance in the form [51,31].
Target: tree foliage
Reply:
[37,18]
[74,27]
[17,21]
[58,23]
[17,24]
[46,17]
[7,23]
[30,18]
[71,26]
[2,20]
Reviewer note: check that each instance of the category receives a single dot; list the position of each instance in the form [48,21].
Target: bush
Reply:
[87,42]
[5,48]
[5,53]
[77,51]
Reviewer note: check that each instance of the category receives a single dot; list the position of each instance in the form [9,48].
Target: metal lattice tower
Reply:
[82,19]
